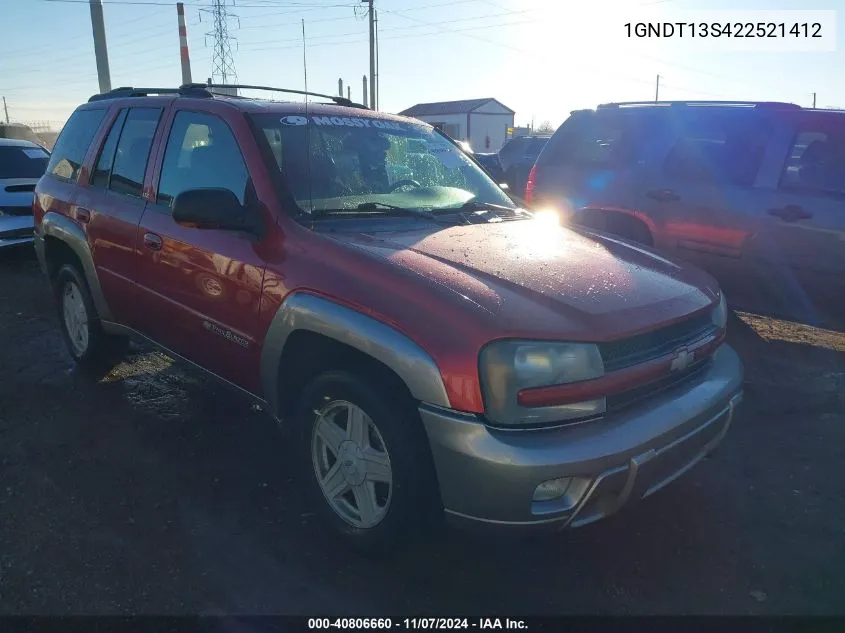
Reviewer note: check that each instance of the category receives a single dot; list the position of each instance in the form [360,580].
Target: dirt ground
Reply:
[150,490]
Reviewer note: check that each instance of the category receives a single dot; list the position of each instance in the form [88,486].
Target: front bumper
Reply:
[16,229]
[488,476]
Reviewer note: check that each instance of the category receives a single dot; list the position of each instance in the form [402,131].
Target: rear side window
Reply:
[598,140]
[73,143]
[816,162]
[102,170]
[201,153]
[717,151]
[21,161]
[133,151]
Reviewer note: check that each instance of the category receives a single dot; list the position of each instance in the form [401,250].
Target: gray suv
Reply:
[753,192]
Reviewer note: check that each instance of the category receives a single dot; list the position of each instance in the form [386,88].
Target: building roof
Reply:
[450,107]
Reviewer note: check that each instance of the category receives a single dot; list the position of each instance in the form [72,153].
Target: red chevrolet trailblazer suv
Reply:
[433,347]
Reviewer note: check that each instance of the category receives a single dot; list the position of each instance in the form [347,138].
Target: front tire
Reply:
[86,341]
[366,464]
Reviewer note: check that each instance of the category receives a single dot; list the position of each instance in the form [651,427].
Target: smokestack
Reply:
[340,87]
[183,44]
[101,53]
[349,92]
[365,92]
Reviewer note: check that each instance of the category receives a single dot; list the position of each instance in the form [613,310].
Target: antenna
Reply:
[307,123]
[305,65]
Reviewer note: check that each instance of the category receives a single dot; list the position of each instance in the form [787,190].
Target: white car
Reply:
[22,163]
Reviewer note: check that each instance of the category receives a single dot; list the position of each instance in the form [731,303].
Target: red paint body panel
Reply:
[452,290]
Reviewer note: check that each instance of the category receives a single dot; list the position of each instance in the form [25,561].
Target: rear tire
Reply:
[87,343]
[365,462]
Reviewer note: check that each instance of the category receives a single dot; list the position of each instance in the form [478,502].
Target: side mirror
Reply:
[213,208]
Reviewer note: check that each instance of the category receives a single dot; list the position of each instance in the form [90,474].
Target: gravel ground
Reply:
[150,490]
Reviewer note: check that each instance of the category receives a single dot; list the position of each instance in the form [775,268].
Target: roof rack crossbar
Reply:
[341,101]
[756,104]
[195,90]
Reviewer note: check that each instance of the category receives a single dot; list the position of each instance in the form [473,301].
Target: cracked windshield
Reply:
[359,163]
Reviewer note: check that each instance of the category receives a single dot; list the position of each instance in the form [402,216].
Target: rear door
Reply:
[199,289]
[701,188]
[112,204]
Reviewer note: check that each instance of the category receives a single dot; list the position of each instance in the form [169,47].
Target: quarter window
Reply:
[73,143]
[201,153]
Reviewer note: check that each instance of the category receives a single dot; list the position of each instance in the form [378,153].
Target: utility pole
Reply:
[372,16]
[6,109]
[657,90]
[183,44]
[101,53]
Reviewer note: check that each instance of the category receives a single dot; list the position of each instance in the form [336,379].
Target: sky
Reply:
[541,58]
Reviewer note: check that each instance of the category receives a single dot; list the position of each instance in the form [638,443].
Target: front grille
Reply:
[624,399]
[644,347]
[27,210]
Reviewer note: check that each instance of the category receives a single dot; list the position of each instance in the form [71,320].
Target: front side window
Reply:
[73,143]
[344,163]
[816,162]
[201,153]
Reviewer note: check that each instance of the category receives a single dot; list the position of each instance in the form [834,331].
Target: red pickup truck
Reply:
[434,347]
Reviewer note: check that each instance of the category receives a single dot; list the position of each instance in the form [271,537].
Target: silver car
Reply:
[22,163]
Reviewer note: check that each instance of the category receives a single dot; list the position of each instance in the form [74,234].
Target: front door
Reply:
[800,235]
[199,289]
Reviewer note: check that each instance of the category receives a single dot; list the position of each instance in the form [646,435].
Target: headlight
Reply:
[719,315]
[510,366]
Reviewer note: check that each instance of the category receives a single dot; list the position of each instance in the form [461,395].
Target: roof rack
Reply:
[756,104]
[341,101]
[192,90]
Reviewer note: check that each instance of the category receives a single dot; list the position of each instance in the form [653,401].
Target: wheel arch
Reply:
[306,318]
[617,214]
[61,237]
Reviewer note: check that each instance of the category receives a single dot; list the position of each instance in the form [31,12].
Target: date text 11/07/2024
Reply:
[413,624]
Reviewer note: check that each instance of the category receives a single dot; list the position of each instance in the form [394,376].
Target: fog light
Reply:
[552,489]
[560,494]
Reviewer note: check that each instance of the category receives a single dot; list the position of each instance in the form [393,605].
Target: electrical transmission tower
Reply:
[222,64]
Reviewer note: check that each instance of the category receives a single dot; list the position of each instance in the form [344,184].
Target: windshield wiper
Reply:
[387,209]
[477,205]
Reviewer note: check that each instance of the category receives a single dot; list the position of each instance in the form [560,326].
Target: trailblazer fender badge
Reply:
[227,334]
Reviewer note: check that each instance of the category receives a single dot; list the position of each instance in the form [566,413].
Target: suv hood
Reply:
[543,279]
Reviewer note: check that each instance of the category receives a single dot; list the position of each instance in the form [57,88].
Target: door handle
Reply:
[791,213]
[83,215]
[663,195]
[152,241]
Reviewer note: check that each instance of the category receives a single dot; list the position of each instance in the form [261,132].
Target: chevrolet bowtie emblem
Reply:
[682,360]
